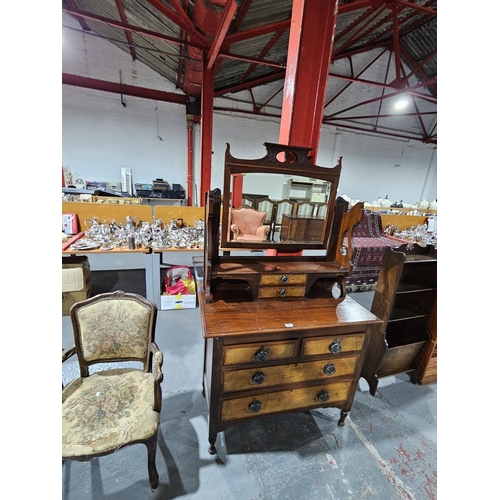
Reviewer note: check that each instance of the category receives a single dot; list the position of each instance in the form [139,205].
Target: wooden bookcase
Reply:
[406,301]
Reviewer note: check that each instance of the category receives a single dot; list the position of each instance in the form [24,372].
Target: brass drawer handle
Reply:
[255,406]
[282,293]
[261,355]
[329,369]
[258,378]
[335,347]
[284,280]
[323,396]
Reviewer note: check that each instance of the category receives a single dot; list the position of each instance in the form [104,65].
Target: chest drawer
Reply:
[282,279]
[281,292]
[269,376]
[333,345]
[275,402]
[258,353]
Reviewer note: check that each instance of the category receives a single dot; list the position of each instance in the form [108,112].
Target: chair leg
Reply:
[153,473]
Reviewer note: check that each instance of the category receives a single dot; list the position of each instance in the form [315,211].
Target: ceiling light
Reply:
[401,103]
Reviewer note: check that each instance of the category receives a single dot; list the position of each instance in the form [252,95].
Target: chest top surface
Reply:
[231,317]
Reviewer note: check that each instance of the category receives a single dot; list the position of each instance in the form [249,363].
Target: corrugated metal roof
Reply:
[360,32]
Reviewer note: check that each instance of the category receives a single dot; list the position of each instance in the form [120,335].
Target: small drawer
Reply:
[275,402]
[258,353]
[281,292]
[282,279]
[333,345]
[269,376]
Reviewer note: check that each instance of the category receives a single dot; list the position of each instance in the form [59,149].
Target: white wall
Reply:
[99,135]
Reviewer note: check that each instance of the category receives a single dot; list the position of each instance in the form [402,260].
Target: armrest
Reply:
[157,374]
[235,230]
[67,354]
[262,231]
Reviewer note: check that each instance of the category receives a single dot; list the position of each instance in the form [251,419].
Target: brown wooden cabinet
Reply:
[270,357]
[406,300]
[302,227]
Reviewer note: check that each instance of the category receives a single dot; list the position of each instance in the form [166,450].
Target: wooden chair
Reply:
[109,409]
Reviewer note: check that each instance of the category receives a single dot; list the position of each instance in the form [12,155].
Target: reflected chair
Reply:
[247,224]
[106,409]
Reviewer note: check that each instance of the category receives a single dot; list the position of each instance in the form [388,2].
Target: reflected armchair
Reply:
[247,224]
[111,408]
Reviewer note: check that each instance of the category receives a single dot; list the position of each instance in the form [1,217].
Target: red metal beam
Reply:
[240,16]
[395,38]
[265,50]
[254,83]
[182,51]
[432,12]
[366,19]
[83,24]
[117,88]
[123,18]
[252,33]
[181,19]
[207,117]
[312,30]
[221,32]
[388,134]
[359,4]
[128,27]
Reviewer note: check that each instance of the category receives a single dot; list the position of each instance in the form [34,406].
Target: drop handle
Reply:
[284,279]
[282,293]
[258,378]
[261,355]
[323,396]
[335,347]
[255,406]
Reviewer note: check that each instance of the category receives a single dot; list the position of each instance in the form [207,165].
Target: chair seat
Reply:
[107,410]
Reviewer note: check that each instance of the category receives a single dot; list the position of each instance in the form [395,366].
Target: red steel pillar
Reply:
[312,29]
[207,120]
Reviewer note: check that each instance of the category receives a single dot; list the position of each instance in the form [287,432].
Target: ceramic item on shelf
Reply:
[386,203]
[433,205]
[423,204]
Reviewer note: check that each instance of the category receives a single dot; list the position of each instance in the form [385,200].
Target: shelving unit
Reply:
[405,299]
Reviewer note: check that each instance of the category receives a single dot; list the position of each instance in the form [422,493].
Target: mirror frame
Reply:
[297,164]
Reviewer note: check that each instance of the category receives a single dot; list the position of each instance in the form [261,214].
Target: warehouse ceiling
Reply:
[383,51]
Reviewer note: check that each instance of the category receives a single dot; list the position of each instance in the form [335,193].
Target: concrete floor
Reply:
[386,451]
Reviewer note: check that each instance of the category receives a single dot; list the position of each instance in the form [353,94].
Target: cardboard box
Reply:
[76,284]
[178,301]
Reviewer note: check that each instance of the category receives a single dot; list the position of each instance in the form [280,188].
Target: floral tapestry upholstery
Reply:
[107,409]
[369,244]
[114,329]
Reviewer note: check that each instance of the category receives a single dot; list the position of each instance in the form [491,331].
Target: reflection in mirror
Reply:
[292,208]
[283,202]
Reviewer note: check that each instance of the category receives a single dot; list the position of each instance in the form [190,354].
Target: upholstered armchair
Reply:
[247,224]
[111,408]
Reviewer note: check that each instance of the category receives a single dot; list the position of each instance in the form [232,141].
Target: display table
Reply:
[152,262]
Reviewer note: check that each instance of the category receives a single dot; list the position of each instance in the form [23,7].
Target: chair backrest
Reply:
[113,327]
[247,219]
[305,208]
[266,205]
[283,207]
